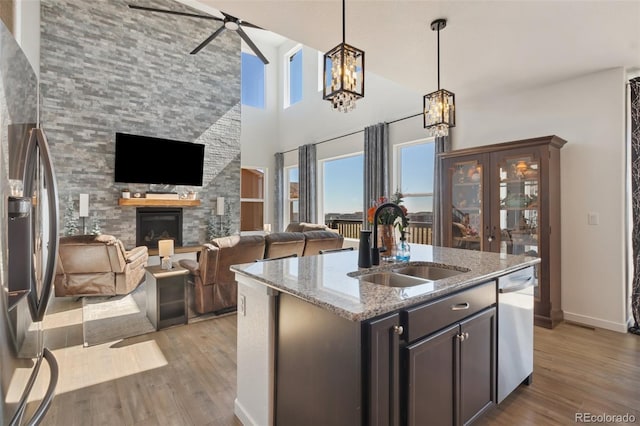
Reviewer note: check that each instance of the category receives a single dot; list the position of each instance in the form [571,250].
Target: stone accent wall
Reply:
[106,68]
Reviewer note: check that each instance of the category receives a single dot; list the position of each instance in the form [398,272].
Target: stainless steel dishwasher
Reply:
[515,330]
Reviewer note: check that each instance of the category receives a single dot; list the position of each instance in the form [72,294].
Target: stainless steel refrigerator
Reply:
[28,242]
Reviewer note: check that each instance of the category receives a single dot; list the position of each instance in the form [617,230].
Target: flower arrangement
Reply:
[390,216]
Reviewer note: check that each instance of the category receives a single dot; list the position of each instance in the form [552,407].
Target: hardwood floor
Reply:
[187,376]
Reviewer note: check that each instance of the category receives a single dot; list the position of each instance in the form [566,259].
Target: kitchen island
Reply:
[319,342]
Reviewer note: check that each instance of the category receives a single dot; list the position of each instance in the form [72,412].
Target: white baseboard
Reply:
[242,414]
[595,322]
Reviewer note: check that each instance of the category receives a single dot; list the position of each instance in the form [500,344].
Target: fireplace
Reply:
[154,224]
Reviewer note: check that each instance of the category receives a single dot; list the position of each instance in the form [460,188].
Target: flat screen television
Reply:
[143,159]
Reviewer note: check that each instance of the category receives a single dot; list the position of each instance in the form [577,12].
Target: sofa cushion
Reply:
[282,244]
[304,227]
[321,240]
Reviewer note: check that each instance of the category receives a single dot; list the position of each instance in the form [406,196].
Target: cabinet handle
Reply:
[462,336]
[460,306]
[398,329]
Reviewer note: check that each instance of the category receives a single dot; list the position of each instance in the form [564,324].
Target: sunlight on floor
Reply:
[82,367]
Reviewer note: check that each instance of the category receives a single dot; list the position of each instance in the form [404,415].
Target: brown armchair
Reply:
[98,265]
[281,244]
[214,283]
[321,240]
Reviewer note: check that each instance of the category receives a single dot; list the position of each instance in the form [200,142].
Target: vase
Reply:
[387,239]
[403,252]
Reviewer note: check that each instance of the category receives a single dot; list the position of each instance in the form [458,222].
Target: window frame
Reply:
[287,75]
[264,82]
[397,167]
[321,174]
[287,201]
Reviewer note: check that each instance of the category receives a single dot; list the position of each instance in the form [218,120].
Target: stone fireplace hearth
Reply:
[154,224]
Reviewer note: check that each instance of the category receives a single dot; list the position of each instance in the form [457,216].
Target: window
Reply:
[415,180]
[252,81]
[293,85]
[292,196]
[252,199]
[343,189]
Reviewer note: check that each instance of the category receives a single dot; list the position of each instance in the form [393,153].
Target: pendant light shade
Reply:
[439,106]
[343,74]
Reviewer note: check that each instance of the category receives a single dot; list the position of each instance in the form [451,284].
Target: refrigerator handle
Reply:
[38,142]
[48,397]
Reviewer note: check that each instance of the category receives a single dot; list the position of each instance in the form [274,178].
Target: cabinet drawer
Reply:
[425,319]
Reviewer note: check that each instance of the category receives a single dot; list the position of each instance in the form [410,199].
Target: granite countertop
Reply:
[323,280]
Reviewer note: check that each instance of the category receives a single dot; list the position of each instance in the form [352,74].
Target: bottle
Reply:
[403,251]
[364,249]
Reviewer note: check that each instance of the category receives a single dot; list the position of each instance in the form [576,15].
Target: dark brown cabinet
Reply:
[505,198]
[166,296]
[382,338]
[451,373]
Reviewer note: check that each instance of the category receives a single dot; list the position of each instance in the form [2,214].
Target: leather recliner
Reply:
[98,265]
[214,283]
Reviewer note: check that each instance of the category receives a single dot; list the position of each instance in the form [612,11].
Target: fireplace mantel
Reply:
[148,202]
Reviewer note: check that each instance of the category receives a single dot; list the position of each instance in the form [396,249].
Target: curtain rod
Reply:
[355,133]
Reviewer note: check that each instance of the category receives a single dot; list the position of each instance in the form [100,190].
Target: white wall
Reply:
[259,128]
[589,113]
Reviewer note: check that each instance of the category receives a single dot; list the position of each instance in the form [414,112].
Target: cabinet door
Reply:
[477,365]
[432,368]
[464,208]
[382,406]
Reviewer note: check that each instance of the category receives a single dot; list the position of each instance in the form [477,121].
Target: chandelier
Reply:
[343,77]
[439,106]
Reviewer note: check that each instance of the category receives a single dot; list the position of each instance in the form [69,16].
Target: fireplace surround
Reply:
[154,224]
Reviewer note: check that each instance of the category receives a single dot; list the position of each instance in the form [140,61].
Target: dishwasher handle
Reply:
[521,285]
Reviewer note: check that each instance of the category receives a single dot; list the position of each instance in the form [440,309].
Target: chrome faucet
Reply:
[375,251]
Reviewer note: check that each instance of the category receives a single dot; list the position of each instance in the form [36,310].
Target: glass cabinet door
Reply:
[466,205]
[519,207]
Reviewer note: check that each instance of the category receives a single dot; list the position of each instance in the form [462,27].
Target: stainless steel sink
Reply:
[391,279]
[428,272]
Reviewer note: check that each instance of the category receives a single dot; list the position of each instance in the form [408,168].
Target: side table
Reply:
[166,296]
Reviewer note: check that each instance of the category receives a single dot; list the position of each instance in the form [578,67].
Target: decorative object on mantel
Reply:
[345,85]
[70,221]
[439,106]
[126,193]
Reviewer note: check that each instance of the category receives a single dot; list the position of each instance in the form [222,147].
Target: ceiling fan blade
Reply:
[208,40]
[173,12]
[253,47]
[250,25]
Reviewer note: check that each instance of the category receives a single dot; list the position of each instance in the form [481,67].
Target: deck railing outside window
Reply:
[419,232]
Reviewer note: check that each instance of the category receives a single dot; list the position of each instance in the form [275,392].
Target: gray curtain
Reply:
[442,144]
[279,196]
[376,165]
[308,176]
[634,85]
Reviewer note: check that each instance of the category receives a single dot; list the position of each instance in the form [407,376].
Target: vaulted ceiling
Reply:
[487,46]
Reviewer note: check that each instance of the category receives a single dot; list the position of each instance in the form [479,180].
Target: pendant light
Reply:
[343,74]
[439,106]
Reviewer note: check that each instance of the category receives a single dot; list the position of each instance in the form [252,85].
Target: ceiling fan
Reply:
[228,23]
